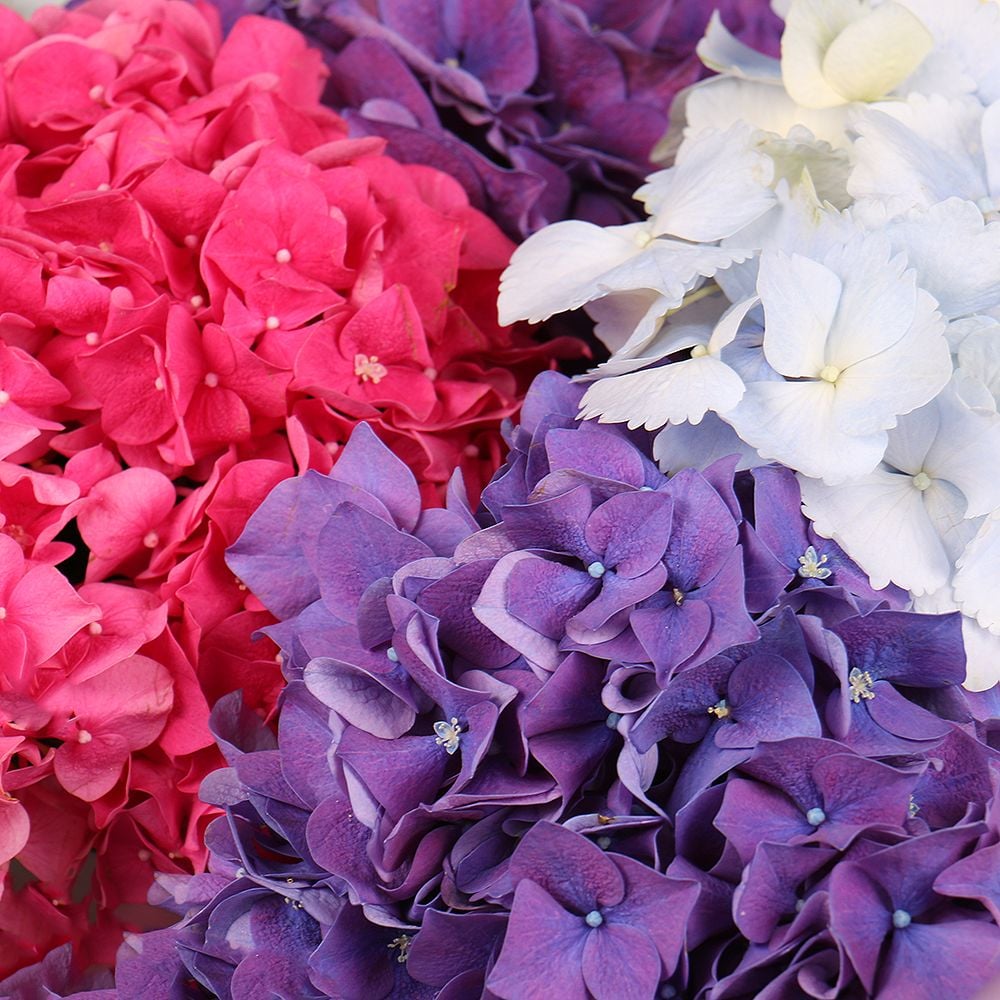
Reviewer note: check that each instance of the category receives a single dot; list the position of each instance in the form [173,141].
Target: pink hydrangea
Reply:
[206,285]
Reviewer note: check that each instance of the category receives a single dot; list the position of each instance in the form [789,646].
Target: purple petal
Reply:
[605,457]
[569,867]
[630,531]
[620,961]
[769,889]
[928,961]
[767,700]
[660,905]
[544,944]
[368,464]
[356,549]
[974,877]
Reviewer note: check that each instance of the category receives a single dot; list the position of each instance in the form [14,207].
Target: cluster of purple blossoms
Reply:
[541,109]
[614,736]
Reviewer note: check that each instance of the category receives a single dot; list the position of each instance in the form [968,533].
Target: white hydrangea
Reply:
[818,284]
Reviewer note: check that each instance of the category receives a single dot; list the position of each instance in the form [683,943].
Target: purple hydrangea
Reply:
[607,737]
[541,109]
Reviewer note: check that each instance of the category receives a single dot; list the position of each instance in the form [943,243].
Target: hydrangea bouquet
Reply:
[695,696]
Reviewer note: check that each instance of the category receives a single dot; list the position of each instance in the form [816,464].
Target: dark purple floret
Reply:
[575,747]
[542,109]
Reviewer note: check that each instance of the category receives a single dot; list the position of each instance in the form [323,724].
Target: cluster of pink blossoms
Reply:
[204,285]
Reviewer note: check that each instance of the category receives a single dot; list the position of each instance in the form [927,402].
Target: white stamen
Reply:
[197,301]
[860,682]
[597,569]
[95,628]
[593,919]
[83,736]
[811,565]
[815,816]
[612,720]
[151,540]
[92,338]
[272,323]
[830,374]
[699,351]
[283,256]
[922,481]
[96,92]
[158,384]
[211,380]
[448,734]
[901,919]
[368,368]
[4,397]
[392,654]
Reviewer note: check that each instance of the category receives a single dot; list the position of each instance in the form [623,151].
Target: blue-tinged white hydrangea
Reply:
[849,327]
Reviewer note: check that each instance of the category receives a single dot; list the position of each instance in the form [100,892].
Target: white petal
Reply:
[966,451]
[982,656]
[876,53]
[669,267]
[879,300]
[721,101]
[977,582]
[794,423]
[729,324]
[945,506]
[797,224]
[875,390]
[720,183]
[624,316]
[557,268]
[955,254]
[966,42]
[810,28]
[918,152]
[979,356]
[722,51]
[697,446]
[683,391]
[880,522]
[800,298]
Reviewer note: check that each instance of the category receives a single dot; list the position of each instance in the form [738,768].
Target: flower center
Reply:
[901,919]
[699,351]
[597,569]
[83,736]
[593,919]
[861,685]
[815,816]
[448,734]
[272,323]
[921,480]
[401,945]
[678,597]
[830,373]
[392,654]
[811,565]
[720,710]
[283,256]
[643,239]
[612,720]
[368,368]
[912,808]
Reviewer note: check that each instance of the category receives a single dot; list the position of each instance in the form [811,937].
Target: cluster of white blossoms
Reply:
[818,284]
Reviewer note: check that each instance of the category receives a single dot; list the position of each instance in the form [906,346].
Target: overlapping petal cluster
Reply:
[618,735]
[204,285]
[542,109]
[818,283]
